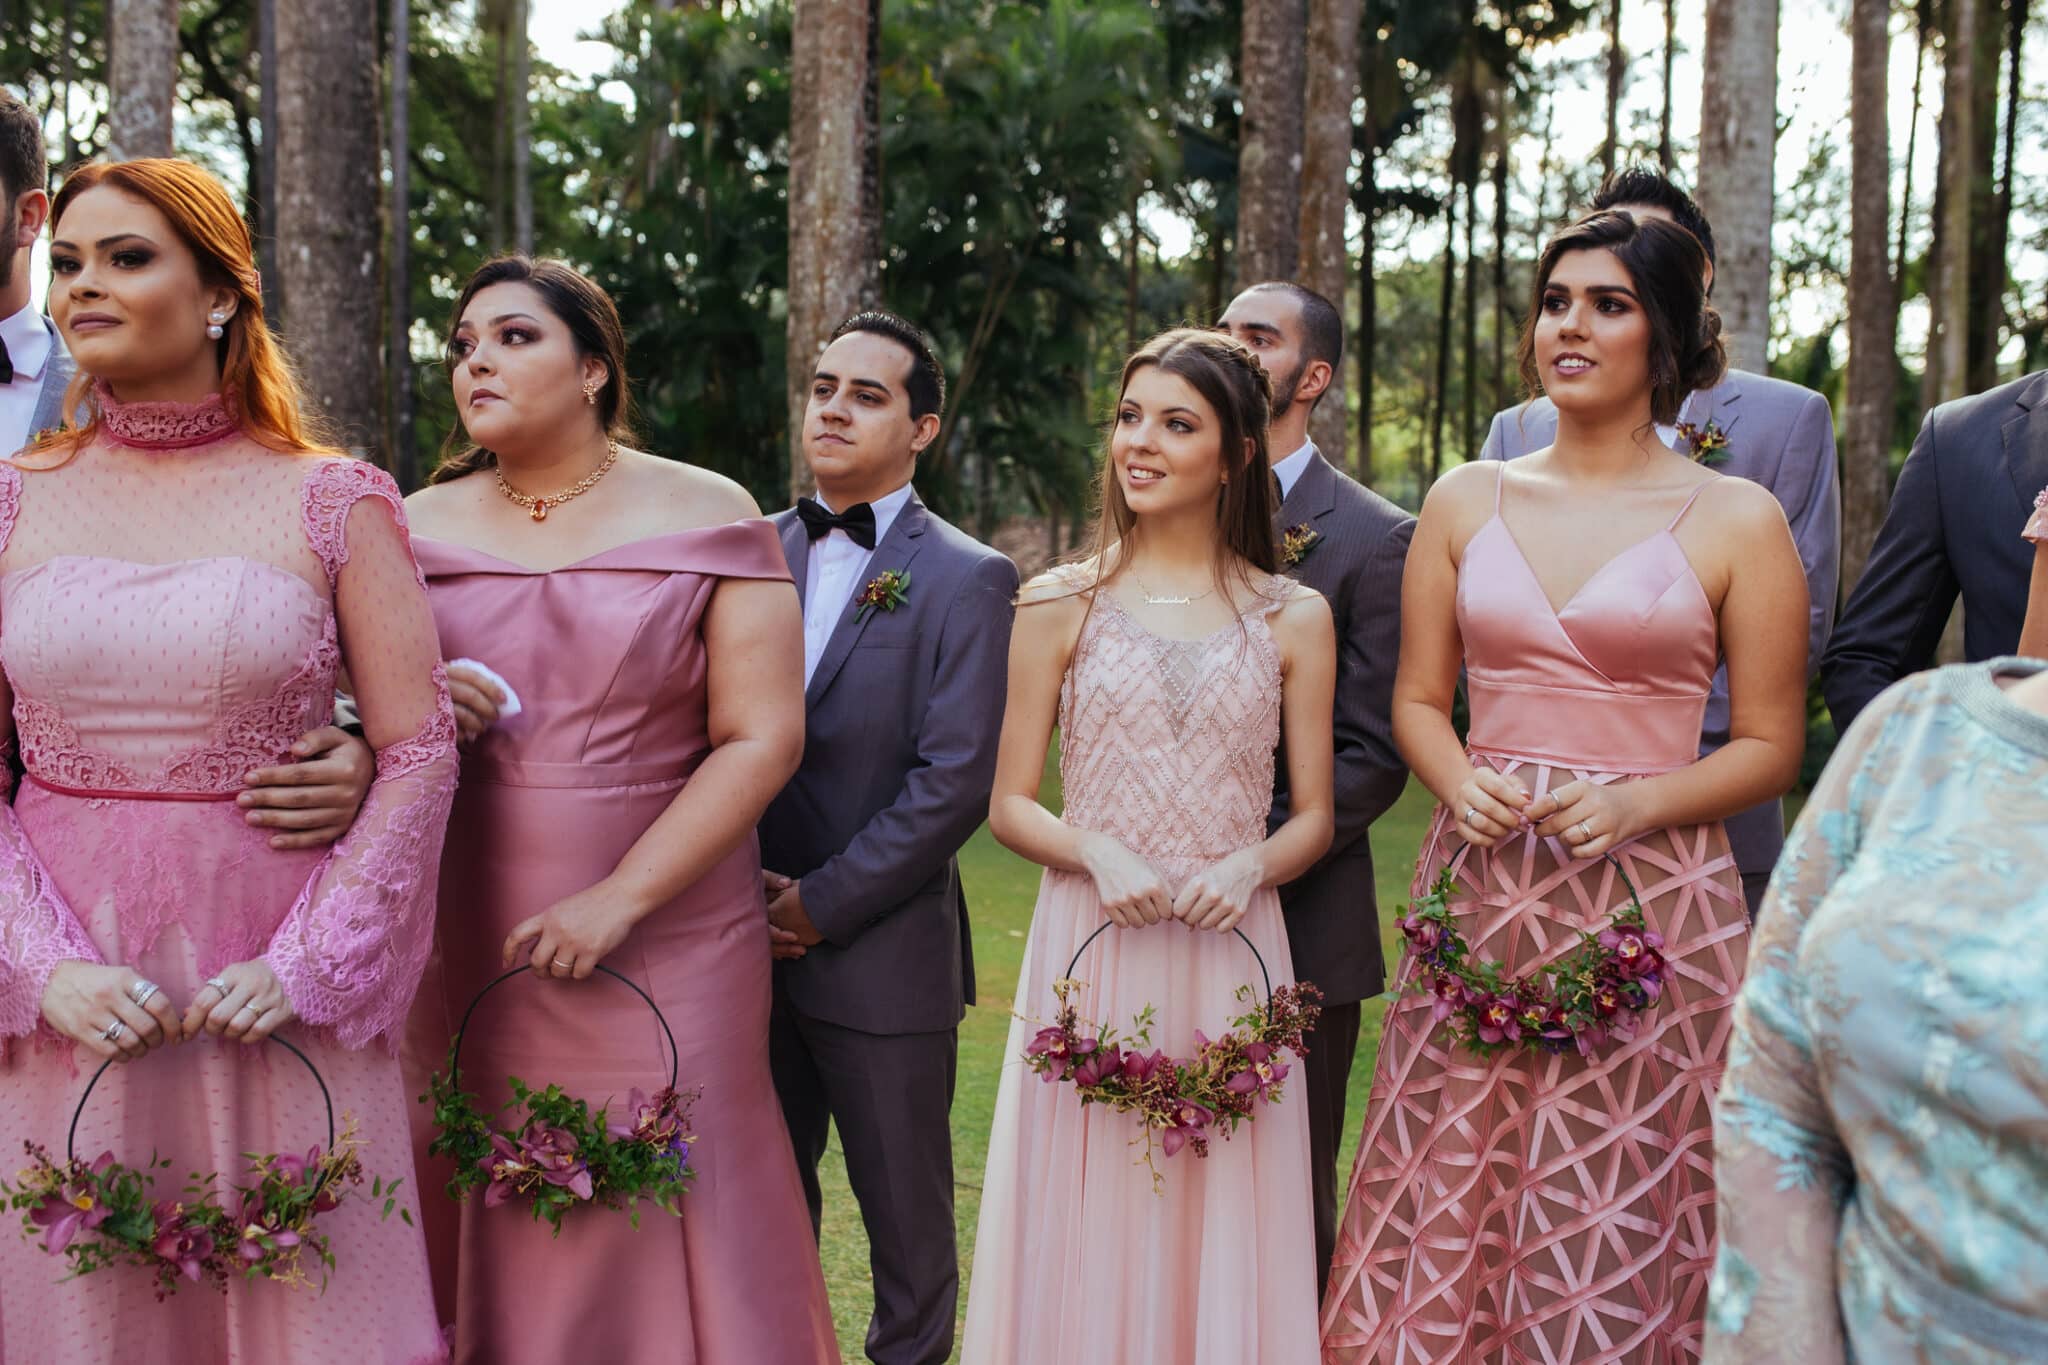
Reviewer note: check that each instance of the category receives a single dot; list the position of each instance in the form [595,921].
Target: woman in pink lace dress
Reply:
[181,577]
[1557,1203]
[648,626]
[1174,662]
[2034,633]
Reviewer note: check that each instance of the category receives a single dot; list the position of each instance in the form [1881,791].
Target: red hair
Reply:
[255,376]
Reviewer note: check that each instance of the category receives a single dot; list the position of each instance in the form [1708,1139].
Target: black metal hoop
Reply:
[1265,976]
[455,1054]
[71,1137]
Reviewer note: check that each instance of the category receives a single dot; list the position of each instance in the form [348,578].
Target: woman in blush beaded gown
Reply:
[1173,662]
[181,577]
[642,612]
[2034,632]
[1557,1204]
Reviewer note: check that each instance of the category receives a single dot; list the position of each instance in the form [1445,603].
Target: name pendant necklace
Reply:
[1156,600]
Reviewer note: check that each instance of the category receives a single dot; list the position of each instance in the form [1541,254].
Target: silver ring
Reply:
[568,966]
[1585,834]
[1472,815]
[246,1005]
[112,1032]
[141,991]
[218,985]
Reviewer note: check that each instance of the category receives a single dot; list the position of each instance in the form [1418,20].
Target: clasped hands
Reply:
[1588,818]
[1134,894]
[118,1012]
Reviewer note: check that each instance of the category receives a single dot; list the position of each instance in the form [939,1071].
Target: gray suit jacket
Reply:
[1954,527]
[1781,436]
[901,722]
[1332,913]
[49,409]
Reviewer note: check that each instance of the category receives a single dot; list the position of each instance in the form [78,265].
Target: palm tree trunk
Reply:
[398,359]
[1987,289]
[142,77]
[1503,314]
[266,154]
[1923,22]
[1664,156]
[1269,149]
[1738,137]
[1873,309]
[1333,75]
[1948,353]
[1441,396]
[1617,68]
[522,129]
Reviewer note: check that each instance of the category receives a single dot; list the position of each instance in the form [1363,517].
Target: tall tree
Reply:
[1738,136]
[1923,25]
[1948,339]
[1873,305]
[1269,151]
[520,101]
[142,76]
[328,185]
[398,353]
[1333,31]
[1994,198]
[827,146]
[1504,324]
[266,160]
[1664,153]
[1617,70]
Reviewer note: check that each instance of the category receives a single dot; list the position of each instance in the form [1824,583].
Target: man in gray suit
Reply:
[1766,430]
[1953,528]
[34,366]
[1350,545]
[906,664]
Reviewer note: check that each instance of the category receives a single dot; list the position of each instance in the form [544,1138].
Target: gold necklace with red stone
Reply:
[538,508]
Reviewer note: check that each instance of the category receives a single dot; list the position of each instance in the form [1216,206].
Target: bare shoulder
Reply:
[1739,507]
[1463,491]
[1302,618]
[685,497]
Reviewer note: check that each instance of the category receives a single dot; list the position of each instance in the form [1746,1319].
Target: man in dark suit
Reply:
[1953,528]
[34,366]
[1350,545]
[906,656]
[1766,430]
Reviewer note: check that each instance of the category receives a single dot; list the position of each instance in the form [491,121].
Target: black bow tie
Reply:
[858,521]
[6,364]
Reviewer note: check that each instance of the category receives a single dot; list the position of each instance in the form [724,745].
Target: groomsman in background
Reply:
[906,663]
[1766,430]
[1953,528]
[34,366]
[1349,544]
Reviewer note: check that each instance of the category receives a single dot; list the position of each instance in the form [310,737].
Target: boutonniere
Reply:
[884,592]
[1708,440]
[1296,542]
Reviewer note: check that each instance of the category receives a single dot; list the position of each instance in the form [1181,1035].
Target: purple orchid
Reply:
[1500,1018]
[552,1152]
[1103,1065]
[257,1224]
[1635,952]
[656,1120]
[1189,1119]
[1263,1074]
[1140,1067]
[509,1168]
[1448,994]
[1425,935]
[71,1209]
[181,1242]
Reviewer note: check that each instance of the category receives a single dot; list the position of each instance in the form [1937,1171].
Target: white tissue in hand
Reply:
[511,706]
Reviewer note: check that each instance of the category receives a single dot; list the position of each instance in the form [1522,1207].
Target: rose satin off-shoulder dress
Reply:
[168,621]
[608,658]
[1556,1208]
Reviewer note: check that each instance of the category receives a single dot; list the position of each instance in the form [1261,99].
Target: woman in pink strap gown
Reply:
[1174,663]
[1558,1205]
[659,672]
[2034,632]
[179,583]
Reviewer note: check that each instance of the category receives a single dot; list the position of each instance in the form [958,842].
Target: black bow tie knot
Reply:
[858,521]
[6,364]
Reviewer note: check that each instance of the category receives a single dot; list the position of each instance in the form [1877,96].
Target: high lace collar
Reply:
[166,425]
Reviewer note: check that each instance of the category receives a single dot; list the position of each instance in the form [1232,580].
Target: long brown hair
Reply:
[255,377]
[593,321]
[1667,267]
[1230,380]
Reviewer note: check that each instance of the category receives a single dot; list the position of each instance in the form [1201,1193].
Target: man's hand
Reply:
[313,801]
[476,700]
[790,931]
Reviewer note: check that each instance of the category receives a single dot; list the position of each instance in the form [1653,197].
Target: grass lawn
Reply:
[1001,889]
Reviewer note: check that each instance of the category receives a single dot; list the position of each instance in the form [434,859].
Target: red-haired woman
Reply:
[181,576]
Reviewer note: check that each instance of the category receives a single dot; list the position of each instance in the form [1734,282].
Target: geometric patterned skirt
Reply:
[1538,1208]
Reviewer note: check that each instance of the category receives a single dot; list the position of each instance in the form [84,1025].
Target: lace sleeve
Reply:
[37,929]
[2037,525]
[350,953]
[1780,1168]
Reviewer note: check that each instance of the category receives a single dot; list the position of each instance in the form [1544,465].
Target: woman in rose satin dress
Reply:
[181,577]
[1559,1207]
[645,619]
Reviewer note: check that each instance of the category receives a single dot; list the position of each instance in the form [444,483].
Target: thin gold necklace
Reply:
[1155,601]
[537,508]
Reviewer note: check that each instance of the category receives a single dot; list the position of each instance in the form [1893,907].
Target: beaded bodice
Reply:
[1168,744]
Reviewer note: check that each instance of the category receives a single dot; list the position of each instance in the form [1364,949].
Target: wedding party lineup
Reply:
[1588,906]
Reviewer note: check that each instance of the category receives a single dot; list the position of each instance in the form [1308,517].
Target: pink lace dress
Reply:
[1530,1207]
[1168,745]
[2037,525]
[170,619]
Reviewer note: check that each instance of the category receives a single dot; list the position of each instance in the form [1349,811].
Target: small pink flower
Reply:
[1189,1119]
[1100,1066]
[552,1153]
[71,1209]
[180,1242]
[1500,1019]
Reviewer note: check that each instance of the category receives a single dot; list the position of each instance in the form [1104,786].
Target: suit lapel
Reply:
[895,552]
[2026,442]
[57,371]
[1313,497]
[796,549]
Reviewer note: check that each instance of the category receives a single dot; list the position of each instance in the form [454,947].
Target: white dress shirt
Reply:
[834,574]
[1288,471]
[28,343]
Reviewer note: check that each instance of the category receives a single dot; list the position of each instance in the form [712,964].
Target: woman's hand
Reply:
[476,699]
[1490,806]
[242,1002]
[1131,892]
[84,1001]
[1589,818]
[1218,896]
[570,937]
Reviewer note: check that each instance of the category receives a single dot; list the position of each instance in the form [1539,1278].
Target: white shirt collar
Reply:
[28,342]
[886,508]
[1288,471]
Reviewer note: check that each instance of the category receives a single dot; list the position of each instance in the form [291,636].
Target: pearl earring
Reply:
[590,394]
[213,325]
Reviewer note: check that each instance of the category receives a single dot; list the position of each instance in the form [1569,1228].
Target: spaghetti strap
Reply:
[1690,501]
[1499,484]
